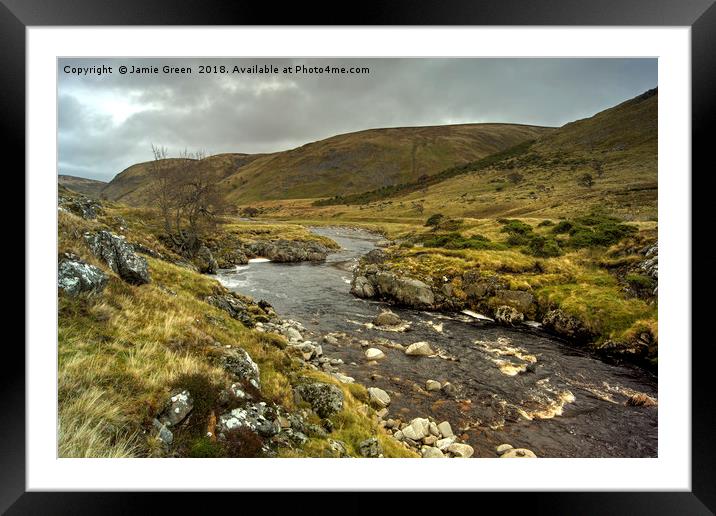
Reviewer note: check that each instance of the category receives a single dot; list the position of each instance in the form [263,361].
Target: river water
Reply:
[520,386]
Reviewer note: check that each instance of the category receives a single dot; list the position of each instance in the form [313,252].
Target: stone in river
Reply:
[374,354]
[432,385]
[421,349]
[518,453]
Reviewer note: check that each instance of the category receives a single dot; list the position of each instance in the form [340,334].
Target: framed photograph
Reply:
[268,252]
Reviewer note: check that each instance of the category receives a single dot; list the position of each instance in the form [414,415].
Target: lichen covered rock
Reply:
[75,276]
[119,255]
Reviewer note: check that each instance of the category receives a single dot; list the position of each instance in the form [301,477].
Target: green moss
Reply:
[205,448]
[640,281]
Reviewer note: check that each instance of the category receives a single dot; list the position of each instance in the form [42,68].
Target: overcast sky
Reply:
[108,122]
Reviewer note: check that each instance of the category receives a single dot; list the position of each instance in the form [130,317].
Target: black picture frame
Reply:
[700,15]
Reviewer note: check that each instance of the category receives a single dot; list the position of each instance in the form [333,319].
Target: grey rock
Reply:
[119,255]
[75,276]
[378,397]
[81,206]
[503,448]
[430,452]
[565,325]
[163,433]
[387,318]
[325,399]
[339,447]
[375,256]
[286,251]
[417,429]
[405,290]
[432,385]
[176,409]
[232,305]
[518,453]
[205,261]
[361,287]
[293,333]
[517,299]
[370,448]
[508,316]
[444,444]
[419,349]
[374,354]
[477,286]
[463,451]
[257,417]
[445,429]
[239,364]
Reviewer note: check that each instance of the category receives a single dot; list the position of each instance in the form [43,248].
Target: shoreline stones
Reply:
[463,451]
[503,448]
[518,453]
[378,397]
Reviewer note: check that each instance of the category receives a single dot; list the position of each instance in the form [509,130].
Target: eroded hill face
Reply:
[343,164]
[608,161]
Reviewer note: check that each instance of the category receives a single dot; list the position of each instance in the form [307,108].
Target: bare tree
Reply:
[163,184]
[187,196]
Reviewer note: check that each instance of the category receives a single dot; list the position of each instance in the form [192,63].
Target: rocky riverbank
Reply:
[488,294]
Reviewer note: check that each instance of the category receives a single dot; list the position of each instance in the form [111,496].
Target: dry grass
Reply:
[122,351]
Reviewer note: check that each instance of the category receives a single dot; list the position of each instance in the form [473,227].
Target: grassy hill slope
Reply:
[342,164]
[89,187]
[607,161]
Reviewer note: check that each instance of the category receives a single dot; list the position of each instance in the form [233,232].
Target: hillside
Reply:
[89,187]
[343,164]
[131,186]
[607,161]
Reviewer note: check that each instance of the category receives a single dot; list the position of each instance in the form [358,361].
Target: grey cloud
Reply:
[108,122]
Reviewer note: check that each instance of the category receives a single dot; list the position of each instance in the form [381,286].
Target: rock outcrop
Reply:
[204,261]
[75,276]
[242,309]
[372,281]
[286,251]
[650,266]
[508,316]
[565,325]
[240,365]
[325,399]
[81,206]
[119,255]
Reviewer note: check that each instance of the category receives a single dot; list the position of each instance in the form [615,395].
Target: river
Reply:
[520,386]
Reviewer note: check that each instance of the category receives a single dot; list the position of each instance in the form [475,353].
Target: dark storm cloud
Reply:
[108,122]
